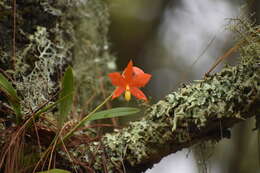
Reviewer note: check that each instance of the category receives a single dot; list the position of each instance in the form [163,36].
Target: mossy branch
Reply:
[201,111]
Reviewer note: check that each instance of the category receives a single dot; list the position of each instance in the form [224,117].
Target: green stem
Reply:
[86,118]
[70,133]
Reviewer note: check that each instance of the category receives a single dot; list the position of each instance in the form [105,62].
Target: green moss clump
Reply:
[49,36]
[187,115]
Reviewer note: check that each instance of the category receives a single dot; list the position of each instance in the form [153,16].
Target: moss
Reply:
[49,36]
[185,116]
[42,51]
[228,98]
[64,33]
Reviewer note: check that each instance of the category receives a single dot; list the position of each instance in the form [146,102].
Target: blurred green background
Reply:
[177,42]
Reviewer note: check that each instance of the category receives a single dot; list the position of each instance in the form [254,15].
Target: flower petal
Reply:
[138,93]
[140,80]
[117,79]
[128,72]
[137,70]
[118,91]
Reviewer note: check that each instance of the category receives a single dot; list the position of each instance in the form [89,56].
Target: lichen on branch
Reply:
[203,110]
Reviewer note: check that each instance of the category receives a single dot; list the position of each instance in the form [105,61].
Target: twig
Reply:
[221,58]
[226,55]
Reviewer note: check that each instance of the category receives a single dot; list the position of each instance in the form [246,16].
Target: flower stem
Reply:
[86,118]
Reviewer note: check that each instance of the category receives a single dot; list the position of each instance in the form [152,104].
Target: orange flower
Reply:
[130,81]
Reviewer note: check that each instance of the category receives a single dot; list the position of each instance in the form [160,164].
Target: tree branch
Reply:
[201,111]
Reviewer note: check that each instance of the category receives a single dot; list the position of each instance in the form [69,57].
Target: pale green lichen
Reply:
[175,121]
[64,33]
[42,52]
[224,101]
[38,87]
[49,36]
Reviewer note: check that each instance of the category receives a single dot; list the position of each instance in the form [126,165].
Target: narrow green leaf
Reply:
[70,133]
[7,87]
[111,113]
[11,94]
[17,109]
[55,171]
[50,106]
[45,109]
[66,88]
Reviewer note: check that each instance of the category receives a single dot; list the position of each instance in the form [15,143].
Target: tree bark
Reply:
[49,36]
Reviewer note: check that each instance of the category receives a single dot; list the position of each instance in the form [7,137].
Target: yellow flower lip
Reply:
[127,93]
